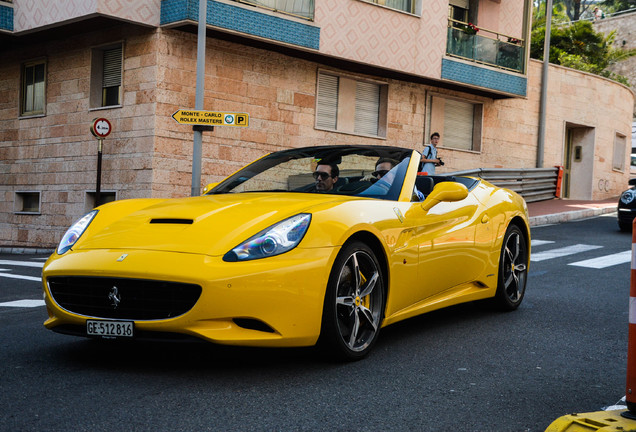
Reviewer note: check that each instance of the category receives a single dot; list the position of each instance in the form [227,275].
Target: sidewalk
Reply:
[562,210]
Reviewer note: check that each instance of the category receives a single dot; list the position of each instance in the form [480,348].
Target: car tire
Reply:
[354,304]
[513,270]
[625,227]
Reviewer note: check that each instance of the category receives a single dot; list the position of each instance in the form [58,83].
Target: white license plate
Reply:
[108,329]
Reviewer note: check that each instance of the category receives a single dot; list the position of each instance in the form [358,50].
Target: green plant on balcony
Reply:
[469,29]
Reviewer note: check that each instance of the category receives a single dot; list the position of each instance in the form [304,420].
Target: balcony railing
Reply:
[485,46]
[298,8]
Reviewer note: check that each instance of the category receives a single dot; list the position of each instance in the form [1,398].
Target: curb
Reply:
[25,251]
[569,216]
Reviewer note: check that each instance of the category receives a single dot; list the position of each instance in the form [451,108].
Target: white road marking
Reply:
[561,252]
[605,261]
[23,303]
[535,242]
[12,276]
[22,263]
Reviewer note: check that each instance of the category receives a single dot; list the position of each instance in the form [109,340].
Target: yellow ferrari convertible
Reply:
[318,245]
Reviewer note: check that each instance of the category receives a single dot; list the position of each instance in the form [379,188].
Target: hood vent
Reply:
[172,221]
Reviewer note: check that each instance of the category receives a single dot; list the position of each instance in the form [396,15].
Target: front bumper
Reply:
[626,215]
[284,293]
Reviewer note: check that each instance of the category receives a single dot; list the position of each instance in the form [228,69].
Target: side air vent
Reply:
[172,221]
[253,324]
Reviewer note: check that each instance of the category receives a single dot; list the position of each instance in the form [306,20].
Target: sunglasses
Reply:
[379,174]
[323,175]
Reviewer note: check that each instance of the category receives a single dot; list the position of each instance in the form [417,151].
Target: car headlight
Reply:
[75,232]
[628,196]
[275,240]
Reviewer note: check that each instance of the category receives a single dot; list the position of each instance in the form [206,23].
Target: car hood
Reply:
[211,224]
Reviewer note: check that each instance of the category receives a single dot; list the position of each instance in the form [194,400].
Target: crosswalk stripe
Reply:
[561,252]
[12,276]
[535,242]
[605,261]
[23,303]
[22,263]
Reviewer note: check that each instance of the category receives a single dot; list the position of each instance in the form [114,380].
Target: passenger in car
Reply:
[383,166]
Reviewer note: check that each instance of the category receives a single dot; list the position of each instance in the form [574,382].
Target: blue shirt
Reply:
[430,152]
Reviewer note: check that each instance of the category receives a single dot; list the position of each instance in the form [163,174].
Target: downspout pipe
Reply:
[544,83]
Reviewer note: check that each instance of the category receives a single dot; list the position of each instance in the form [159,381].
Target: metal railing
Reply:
[533,184]
[466,41]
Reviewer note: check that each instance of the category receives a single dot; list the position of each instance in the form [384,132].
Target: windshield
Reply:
[374,172]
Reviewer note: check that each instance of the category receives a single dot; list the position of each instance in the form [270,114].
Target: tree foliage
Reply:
[578,46]
[573,9]
[618,5]
[576,8]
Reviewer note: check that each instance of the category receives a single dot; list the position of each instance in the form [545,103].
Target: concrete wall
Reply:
[625,38]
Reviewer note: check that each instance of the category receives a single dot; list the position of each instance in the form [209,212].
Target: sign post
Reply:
[100,128]
[197,144]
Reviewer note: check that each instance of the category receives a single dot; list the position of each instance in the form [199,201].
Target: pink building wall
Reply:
[36,14]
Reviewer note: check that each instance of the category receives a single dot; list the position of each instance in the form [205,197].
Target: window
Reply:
[33,88]
[619,153]
[463,10]
[106,76]
[299,8]
[27,203]
[104,197]
[349,105]
[458,121]
[403,5]
[458,10]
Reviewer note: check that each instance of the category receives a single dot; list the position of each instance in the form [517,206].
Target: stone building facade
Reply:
[48,157]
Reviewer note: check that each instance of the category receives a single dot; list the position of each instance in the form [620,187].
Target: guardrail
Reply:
[533,184]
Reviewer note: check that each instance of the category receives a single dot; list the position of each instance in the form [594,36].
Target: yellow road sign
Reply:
[211,118]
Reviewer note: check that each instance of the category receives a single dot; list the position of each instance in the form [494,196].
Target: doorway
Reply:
[578,162]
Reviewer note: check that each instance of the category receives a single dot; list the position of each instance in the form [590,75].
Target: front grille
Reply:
[119,298]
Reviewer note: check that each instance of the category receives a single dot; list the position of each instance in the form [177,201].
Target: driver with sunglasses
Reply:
[326,175]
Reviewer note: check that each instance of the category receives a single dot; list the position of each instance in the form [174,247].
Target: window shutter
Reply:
[458,124]
[112,67]
[327,102]
[619,153]
[459,3]
[367,114]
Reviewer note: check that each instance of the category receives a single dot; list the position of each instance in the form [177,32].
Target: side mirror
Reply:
[445,192]
[208,188]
